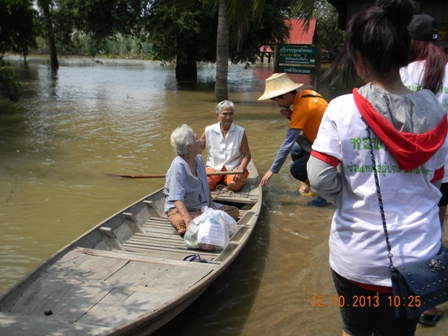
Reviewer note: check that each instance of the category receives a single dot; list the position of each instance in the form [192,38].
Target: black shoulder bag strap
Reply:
[378,193]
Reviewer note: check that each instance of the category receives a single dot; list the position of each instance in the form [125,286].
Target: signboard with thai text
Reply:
[296,59]
[288,54]
[296,69]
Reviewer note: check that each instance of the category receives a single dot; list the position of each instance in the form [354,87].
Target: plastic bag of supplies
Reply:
[210,231]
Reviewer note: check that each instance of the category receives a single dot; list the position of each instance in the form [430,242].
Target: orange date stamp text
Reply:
[361,301]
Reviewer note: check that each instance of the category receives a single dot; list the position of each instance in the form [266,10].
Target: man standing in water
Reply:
[305,116]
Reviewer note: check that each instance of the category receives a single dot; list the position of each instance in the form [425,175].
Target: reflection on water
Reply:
[87,119]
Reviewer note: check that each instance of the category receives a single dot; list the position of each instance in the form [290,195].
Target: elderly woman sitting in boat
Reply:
[227,149]
[186,187]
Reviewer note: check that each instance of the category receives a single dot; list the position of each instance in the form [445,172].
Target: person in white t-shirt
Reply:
[428,69]
[227,149]
[377,46]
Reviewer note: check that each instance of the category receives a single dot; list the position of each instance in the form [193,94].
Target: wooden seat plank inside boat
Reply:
[159,235]
[248,194]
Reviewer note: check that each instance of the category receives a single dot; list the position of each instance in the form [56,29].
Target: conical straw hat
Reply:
[277,85]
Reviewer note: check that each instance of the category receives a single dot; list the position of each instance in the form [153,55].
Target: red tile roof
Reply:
[298,33]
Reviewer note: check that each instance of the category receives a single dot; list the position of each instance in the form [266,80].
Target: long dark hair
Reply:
[435,57]
[379,33]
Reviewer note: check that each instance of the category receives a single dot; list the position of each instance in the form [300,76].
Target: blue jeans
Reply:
[300,158]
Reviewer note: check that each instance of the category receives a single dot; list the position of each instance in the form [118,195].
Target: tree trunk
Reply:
[186,71]
[45,7]
[222,53]
[186,67]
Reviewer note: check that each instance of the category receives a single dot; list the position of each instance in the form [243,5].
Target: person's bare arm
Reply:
[203,140]
[212,204]
[282,154]
[244,148]
[182,209]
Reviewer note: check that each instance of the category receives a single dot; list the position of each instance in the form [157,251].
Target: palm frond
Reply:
[304,9]
[241,13]
[210,6]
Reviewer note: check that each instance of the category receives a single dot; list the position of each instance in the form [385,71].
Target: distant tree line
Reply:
[184,31]
[18,30]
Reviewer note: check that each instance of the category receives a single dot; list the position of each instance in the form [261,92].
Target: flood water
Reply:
[90,118]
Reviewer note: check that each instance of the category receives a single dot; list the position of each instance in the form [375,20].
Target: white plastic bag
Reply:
[208,231]
[224,218]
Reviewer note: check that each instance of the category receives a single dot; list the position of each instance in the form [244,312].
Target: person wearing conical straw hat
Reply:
[304,109]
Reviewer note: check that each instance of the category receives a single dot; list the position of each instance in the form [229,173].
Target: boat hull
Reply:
[125,276]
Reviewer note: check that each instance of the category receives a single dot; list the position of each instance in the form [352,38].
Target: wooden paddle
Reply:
[164,175]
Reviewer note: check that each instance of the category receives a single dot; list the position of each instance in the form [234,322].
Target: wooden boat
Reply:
[126,276]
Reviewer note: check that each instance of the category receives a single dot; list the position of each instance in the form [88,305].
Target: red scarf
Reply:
[409,149]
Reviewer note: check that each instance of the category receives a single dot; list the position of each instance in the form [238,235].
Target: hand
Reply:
[237,177]
[266,178]
[286,112]
[187,221]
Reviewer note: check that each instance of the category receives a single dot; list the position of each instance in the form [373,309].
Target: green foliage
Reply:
[9,88]
[304,9]
[18,31]
[18,26]
[329,37]
[180,27]
[100,19]
[243,16]
[89,26]
[268,29]
[116,47]
[126,47]
[181,30]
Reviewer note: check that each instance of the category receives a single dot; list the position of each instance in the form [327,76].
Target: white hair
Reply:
[223,104]
[181,138]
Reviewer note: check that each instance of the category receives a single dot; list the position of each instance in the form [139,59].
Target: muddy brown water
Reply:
[115,116]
